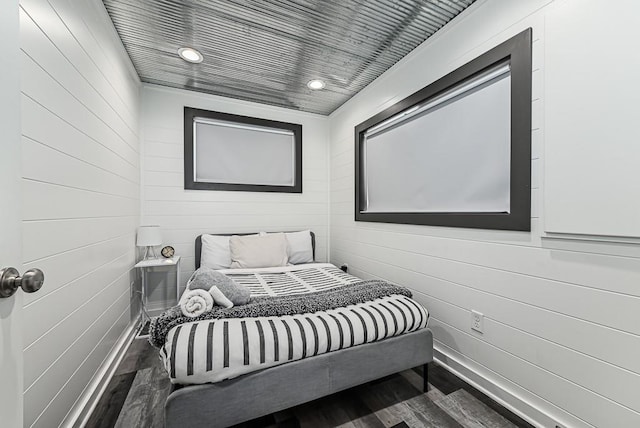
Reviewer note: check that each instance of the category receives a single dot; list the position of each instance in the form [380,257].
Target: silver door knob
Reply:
[10,280]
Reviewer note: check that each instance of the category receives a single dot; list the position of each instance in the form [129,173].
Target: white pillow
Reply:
[258,251]
[300,249]
[215,252]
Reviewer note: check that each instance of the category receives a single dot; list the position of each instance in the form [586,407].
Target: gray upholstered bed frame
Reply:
[266,391]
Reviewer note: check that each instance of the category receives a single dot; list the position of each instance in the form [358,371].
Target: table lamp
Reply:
[149,237]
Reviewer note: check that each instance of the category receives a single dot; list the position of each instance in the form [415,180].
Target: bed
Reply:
[229,370]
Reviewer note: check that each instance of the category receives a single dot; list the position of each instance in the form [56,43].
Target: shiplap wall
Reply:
[184,214]
[80,197]
[562,319]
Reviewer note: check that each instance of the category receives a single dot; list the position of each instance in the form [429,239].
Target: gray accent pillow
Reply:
[258,251]
[205,278]
[299,247]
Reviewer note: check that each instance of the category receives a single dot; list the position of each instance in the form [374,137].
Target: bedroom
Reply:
[91,153]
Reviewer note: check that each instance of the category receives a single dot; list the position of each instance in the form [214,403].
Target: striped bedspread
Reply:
[214,350]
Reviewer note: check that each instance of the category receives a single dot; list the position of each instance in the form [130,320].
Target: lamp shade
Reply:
[149,236]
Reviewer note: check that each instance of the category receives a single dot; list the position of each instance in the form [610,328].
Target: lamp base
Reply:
[150,253]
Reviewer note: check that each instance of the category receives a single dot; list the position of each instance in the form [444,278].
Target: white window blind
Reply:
[234,153]
[449,154]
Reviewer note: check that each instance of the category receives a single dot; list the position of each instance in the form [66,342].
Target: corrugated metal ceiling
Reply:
[267,50]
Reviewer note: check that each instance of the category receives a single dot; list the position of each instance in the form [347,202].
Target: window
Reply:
[455,153]
[229,152]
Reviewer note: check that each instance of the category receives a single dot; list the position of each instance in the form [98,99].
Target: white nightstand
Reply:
[155,263]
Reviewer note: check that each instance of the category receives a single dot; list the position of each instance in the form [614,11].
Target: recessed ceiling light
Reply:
[190,55]
[316,84]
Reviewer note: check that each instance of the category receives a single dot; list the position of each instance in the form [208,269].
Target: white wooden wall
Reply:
[184,214]
[81,197]
[562,318]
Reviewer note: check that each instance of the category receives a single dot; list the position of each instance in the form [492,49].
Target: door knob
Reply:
[10,280]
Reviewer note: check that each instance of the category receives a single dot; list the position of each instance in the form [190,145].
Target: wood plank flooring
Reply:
[136,394]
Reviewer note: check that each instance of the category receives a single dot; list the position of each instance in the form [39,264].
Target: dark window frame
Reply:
[191,113]
[517,51]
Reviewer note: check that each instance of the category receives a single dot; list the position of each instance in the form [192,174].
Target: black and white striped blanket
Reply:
[285,281]
[276,306]
[223,347]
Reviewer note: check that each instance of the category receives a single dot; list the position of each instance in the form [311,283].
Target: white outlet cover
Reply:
[477,321]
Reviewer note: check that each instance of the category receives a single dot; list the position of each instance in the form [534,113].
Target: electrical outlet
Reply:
[477,321]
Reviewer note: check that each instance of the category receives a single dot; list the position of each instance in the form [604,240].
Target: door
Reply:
[10,215]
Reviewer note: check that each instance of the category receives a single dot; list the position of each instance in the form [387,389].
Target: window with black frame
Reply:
[231,152]
[457,152]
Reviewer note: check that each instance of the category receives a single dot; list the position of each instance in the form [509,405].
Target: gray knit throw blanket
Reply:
[360,292]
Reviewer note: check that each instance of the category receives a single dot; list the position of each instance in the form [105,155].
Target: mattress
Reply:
[214,350]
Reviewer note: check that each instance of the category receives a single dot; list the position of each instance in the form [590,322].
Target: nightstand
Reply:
[144,266]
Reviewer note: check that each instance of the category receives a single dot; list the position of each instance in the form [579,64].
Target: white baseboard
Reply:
[81,411]
[530,407]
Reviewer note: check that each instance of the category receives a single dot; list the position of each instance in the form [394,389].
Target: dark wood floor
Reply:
[136,394]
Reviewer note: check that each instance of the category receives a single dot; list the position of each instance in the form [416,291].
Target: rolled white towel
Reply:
[196,302]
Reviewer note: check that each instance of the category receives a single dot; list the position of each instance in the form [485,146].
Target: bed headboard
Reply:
[199,244]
